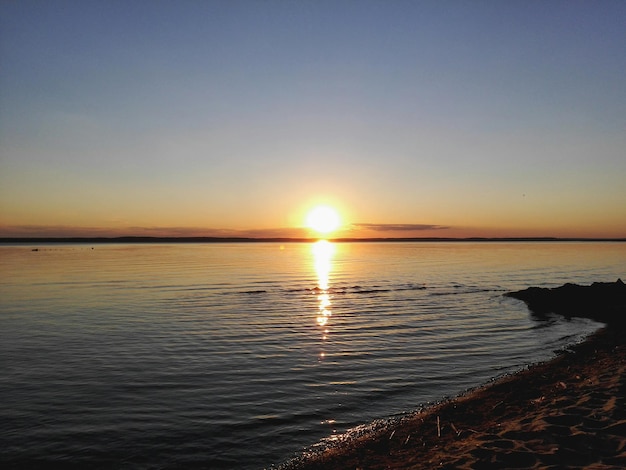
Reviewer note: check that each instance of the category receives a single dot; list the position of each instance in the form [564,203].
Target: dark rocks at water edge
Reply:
[601,301]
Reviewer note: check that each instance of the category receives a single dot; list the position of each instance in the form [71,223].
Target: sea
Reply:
[243,355]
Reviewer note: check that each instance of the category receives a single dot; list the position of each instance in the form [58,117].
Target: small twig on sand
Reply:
[438,428]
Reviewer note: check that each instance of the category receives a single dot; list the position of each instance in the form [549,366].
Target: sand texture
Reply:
[569,412]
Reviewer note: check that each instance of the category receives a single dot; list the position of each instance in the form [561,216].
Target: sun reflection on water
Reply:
[323,252]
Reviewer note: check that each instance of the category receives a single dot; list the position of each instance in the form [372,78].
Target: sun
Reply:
[323,219]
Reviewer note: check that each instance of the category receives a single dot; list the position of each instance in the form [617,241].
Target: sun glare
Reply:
[323,219]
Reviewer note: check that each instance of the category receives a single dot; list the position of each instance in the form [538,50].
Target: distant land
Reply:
[132,239]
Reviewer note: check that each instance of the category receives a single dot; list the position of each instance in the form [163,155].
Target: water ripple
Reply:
[236,356]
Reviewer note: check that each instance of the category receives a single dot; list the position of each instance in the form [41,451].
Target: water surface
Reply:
[240,355]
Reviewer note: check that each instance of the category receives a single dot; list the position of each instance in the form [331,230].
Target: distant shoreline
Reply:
[142,239]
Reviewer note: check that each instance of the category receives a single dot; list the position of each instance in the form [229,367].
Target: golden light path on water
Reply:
[323,252]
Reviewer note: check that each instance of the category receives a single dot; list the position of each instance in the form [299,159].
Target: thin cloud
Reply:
[400,227]
[53,231]
[64,231]
[61,231]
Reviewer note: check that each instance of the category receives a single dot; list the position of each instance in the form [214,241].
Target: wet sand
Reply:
[569,412]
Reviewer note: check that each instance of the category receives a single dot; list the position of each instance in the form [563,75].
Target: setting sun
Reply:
[323,219]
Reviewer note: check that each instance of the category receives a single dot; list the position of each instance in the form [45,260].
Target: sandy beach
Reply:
[569,412]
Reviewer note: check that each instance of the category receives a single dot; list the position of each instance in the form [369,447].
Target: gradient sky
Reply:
[412,118]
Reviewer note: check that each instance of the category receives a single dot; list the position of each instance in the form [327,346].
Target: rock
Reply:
[601,301]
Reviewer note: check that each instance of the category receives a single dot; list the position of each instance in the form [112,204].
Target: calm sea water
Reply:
[240,355]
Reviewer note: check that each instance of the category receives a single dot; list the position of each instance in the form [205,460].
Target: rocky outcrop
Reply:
[601,301]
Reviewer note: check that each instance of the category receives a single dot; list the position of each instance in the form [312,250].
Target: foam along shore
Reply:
[567,412]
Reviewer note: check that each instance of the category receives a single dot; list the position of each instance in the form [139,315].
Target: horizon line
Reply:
[209,239]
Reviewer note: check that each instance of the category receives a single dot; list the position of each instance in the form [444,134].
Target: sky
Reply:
[235,118]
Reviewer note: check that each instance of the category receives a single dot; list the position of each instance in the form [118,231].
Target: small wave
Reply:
[469,291]
[357,289]
[455,289]
[371,291]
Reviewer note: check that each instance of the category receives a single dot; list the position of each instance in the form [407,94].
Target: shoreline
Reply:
[146,240]
[569,411]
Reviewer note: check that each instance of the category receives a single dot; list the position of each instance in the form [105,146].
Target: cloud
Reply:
[52,231]
[62,231]
[399,227]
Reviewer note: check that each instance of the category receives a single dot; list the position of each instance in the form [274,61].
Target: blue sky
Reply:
[487,118]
